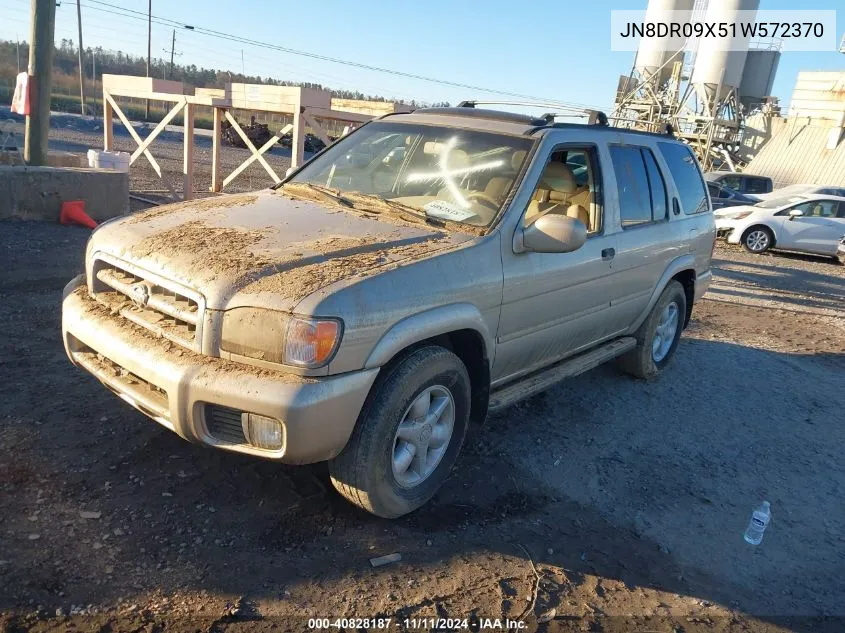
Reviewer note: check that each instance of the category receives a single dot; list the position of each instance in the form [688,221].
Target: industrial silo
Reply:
[758,76]
[654,64]
[713,65]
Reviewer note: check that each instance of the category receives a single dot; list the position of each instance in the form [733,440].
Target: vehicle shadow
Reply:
[798,288]
[603,478]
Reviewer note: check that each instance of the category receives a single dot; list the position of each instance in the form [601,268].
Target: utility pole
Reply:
[172,54]
[149,52]
[18,43]
[40,71]
[81,65]
[94,75]
[172,50]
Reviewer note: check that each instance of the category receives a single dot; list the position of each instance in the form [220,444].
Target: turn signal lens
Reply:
[311,342]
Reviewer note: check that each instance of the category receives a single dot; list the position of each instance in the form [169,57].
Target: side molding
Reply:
[418,327]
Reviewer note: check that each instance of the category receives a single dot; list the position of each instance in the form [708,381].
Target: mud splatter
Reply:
[200,206]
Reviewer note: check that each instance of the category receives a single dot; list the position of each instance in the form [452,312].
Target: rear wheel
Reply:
[758,239]
[408,436]
[659,334]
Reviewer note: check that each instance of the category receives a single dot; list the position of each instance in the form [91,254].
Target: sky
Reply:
[550,49]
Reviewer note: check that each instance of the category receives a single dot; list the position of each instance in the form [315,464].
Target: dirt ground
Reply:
[606,504]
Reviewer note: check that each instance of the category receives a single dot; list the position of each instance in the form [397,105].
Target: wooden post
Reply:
[298,146]
[216,142]
[108,123]
[37,127]
[188,164]
[81,61]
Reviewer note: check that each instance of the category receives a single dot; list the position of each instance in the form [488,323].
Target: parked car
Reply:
[810,224]
[722,197]
[803,190]
[741,183]
[369,308]
[840,251]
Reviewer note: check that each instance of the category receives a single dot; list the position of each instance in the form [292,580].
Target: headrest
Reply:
[558,177]
[457,159]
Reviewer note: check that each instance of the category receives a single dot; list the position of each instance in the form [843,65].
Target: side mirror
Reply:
[796,213]
[554,233]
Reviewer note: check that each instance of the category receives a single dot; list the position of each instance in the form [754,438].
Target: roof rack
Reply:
[594,117]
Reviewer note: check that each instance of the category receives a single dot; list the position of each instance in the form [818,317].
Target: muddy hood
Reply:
[265,249]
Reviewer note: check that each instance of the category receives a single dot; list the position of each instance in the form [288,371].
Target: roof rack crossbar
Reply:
[594,117]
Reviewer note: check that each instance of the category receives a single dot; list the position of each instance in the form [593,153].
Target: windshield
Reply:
[780,201]
[445,173]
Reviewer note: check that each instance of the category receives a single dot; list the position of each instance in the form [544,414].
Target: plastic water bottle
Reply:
[757,525]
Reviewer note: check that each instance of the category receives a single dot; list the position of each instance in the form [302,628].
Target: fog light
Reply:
[264,432]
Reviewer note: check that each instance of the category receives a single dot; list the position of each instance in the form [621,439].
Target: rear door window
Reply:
[731,182]
[687,176]
[642,191]
[659,206]
[757,185]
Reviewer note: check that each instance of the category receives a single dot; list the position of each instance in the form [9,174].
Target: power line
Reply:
[292,51]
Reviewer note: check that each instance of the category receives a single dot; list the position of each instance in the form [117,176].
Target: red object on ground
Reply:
[73,212]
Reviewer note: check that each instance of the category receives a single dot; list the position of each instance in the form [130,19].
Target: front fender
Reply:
[742,227]
[684,262]
[428,324]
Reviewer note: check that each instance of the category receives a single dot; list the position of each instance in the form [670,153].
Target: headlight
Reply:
[277,337]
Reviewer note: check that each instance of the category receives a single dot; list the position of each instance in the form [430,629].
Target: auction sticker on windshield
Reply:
[447,211]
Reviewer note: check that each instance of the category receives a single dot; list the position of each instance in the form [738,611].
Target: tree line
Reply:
[66,71]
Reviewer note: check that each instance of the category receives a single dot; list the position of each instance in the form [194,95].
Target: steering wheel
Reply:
[483,198]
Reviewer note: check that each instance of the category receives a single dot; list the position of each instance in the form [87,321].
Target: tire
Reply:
[758,239]
[643,361]
[369,471]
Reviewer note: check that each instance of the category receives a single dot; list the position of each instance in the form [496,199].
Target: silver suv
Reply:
[422,271]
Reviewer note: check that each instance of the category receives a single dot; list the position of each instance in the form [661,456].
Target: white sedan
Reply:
[800,190]
[805,223]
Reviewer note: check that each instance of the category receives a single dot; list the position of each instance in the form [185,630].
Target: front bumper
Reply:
[727,230]
[175,386]
[840,253]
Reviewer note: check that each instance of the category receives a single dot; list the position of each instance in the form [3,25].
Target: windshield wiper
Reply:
[377,204]
[324,192]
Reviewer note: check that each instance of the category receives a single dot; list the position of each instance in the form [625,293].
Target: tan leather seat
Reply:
[556,184]
[579,213]
[498,186]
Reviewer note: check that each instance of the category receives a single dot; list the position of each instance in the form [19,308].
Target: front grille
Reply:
[224,424]
[154,304]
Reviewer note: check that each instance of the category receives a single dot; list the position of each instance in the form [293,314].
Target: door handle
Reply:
[608,253]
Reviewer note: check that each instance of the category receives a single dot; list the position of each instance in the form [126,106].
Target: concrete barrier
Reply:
[37,193]
[54,159]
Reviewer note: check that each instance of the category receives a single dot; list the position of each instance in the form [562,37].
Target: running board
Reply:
[545,378]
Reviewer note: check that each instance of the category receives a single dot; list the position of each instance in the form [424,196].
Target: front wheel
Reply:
[659,334]
[408,435]
[758,239]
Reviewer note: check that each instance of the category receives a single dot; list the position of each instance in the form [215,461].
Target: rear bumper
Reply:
[175,386]
[702,283]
